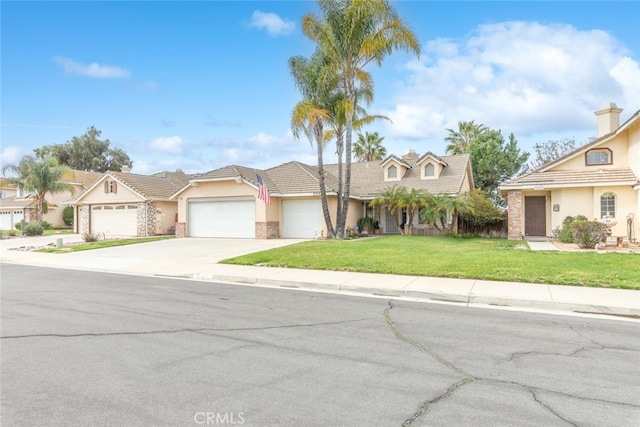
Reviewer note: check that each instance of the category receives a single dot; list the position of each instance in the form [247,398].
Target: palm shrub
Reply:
[365,224]
[33,229]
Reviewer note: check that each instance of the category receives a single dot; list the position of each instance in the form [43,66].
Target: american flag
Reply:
[263,193]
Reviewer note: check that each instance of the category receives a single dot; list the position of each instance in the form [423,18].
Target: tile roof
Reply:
[296,177]
[16,203]
[149,186]
[572,177]
[84,178]
[178,177]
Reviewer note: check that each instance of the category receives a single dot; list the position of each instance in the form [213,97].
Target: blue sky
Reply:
[199,85]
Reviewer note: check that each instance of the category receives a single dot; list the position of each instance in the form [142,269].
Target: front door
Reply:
[535,216]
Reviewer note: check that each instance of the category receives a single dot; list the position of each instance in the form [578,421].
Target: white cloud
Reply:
[95,70]
[11,154]
[520,77]
[274,24]
[170,144]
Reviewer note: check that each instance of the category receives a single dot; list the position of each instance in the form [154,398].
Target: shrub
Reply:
[365,224]
[33,229]
[587,234]
[67,216]
[11,233]
[91,237]
[46,225]
[18,226]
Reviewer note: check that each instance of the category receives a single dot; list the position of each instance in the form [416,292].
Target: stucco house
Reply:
[20,205]
[127,204]
[224,202]
[600,179]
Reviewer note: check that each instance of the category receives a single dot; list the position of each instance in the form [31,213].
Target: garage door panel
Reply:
[222,218]
[301,219]
[114,220]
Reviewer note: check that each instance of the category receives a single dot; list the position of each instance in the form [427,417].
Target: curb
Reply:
[468,300]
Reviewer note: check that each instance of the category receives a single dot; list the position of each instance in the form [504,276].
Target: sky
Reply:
[204,84]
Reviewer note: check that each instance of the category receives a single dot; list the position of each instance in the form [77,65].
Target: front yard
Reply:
[487,259]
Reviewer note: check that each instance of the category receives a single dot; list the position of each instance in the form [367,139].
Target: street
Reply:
[87,348]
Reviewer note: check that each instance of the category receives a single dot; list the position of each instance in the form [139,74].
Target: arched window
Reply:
[429,170]
[608,205]
[392,172]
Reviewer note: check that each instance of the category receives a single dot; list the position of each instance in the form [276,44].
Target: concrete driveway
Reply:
[173,257]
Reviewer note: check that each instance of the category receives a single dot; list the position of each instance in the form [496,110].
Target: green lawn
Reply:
[102,244]
[488,259]
[54,231]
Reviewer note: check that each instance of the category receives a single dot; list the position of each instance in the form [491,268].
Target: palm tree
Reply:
[39,178]
[369,147]
[315,82]
[461,204]
[352,34]
[391,198]
[459,141]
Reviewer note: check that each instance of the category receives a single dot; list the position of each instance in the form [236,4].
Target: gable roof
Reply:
[429,154]
[391,157]
[148,187]
[16,202]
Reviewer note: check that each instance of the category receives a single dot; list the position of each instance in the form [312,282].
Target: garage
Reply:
[301,219]
[115,220]
[9,218]
[222,217]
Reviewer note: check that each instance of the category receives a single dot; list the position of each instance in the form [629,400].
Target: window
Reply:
[110,187]
[608,205]
[392,172]
[429,170]
[599,157]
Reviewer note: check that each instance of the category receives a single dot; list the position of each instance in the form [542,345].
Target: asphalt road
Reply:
[82,348]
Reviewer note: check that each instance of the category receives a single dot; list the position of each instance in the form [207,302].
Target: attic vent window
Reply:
[599,157]
[392,172]
[110,186]
[429,170]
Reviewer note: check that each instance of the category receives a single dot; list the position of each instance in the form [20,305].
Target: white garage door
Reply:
[301,219]
[8,221]
[222,217]
[115,220]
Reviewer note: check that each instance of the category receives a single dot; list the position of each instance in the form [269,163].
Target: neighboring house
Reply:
[126,204]
[224,202]
[21,205]
[600,179]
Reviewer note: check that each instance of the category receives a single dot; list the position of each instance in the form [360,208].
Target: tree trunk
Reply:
[349,94]
[339,203]
[323,189]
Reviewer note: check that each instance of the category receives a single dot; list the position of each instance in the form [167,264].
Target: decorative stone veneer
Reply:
[268,230]
[83,219]
[147,226]
[514,200]
[181,229]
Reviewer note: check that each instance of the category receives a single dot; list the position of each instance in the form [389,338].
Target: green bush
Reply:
[365,224]
[587,234]
[565,233]
[46,225]
[18,226]
[33,229]
[67,216]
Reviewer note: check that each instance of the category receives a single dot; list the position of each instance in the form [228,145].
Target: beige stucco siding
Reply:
[618,147]
[634,149]
[122,195]
[165,216]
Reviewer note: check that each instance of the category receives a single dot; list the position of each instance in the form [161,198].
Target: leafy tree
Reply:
[369,147]
[315,82]
[458,142]
[495,161]
[484,211]
[39,177]
[353,34]
[87,152]
[551,150]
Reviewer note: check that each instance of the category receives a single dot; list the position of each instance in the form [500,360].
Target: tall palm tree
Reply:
[353,34]
[315,82]
[369,147]
[459,141]
[39,178]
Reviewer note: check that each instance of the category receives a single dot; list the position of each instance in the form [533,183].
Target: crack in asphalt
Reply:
[548,408]
[424,407]
[179,330]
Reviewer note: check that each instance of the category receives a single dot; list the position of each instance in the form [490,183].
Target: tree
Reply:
[87,152]
[315,82]
[460,140]
[392,199]
[551,150]
[353,34]
[39,177]
[484,211]
[435,212]
[369,147]
[494,162]
[412,201]
[460,204]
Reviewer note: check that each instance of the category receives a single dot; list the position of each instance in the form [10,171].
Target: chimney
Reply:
[410,155]
[125,169]
[608,118]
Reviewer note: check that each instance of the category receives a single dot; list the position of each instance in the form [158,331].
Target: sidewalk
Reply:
[171,258]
